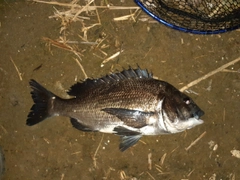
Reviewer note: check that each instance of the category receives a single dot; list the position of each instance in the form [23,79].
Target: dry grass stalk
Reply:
[95,154]
[78,152]
[83,9]
[150,175]
[19,74]
[46,140]
[81,67]
[108,173]
[231,71]
[73,13]
[89,8]
[111,57]
[55,3]
[163,158]
[150,161]
[68,17]
[123,175]
[195,141]
[62,176]
[160,170]
[209,74]
[62,45]
[127,17]
[5,131]
[140,139]
[174,150]
[189,174]
[224,114]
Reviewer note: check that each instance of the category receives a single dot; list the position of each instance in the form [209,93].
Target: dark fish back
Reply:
[89,84]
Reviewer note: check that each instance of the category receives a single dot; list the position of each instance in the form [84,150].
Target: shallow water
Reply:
[55,150]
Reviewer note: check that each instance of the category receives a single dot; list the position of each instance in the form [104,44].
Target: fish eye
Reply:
[187,100]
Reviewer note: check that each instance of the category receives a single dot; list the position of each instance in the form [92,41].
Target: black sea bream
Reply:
[130,104]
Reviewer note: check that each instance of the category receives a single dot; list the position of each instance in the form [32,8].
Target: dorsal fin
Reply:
[88,84]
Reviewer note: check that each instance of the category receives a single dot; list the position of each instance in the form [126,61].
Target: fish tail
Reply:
[43,104]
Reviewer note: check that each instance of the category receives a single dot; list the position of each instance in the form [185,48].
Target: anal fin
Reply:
[76,124]
[128,137]
[128,141]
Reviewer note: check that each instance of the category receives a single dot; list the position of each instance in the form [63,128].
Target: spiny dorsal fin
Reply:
[88,84]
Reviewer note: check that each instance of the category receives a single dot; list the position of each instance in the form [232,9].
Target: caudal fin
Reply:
[43,102]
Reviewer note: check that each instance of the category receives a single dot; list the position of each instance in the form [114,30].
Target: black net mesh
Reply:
[196,16]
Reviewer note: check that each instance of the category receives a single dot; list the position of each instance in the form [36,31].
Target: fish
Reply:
[130,104]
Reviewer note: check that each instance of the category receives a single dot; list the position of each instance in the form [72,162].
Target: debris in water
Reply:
[213,145]
[213,177]
[195,141]
[235,153]
[150,161]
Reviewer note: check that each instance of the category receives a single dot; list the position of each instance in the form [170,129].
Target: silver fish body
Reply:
[130,104]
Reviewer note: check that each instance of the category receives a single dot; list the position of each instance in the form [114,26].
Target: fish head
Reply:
[180,112]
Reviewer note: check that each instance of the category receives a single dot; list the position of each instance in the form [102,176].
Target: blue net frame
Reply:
[195,16]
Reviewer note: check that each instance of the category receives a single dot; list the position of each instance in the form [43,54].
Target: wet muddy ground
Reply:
[55,150]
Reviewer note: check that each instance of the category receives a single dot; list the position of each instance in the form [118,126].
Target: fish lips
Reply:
[198,114]
[196,120]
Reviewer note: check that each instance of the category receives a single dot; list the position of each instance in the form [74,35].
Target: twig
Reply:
[150,161]
[126,17]
[142,141]
[209,74]
[82,10]
[94,156]
[150,175]
[230,71]
[158,168]
[195,141]
[19,74]
[224,114]
[174,150]
[80,65]
[62,45]
[3,129]
[123,175]
[78,152]
[189,174]
[99,20]
[163,158]
[46,140]
[111,57]
[56,3]
[62,176]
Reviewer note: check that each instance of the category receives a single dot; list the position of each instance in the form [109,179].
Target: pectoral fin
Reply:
[133,118]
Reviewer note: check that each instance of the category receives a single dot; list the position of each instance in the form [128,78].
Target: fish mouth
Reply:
[198,114]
